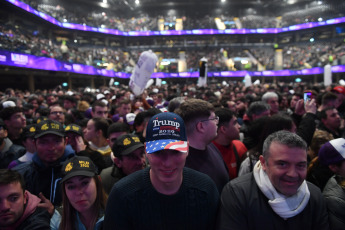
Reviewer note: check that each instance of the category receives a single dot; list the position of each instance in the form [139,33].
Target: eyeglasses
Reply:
[216,118]
[57,112]
[102,112]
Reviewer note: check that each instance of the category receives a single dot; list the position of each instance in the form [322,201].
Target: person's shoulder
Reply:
[24,167]
[195,178]
[238,144]
[132,183]
[16,149]
[39,219]
[241,182]
[212,147]
[313,188]
[333,189]
[315,192]
[240,147]
[106,171]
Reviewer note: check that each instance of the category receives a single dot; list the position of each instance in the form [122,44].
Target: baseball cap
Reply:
[29,131]
[166,131]
[339,89]
[40,119]
[126,144]
[49,127]
[74,129]
[78,166]
[129,118]
[8,104]
[332,152]
[100,96]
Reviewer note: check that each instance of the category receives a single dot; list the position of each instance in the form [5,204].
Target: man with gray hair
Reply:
[271,98]
[256,110]
[275,195]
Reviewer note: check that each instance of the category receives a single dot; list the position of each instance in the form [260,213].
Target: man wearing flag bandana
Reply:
[167,195]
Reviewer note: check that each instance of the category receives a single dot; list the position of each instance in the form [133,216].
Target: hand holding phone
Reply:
[307,96]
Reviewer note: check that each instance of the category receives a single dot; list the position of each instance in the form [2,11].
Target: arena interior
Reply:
[75,44]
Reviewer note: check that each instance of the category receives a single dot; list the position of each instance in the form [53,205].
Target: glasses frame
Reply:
[211,119]
[57,112]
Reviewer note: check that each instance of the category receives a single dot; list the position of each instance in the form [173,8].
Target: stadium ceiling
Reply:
[194,6]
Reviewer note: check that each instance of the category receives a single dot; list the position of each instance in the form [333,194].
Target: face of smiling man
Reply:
[166,168]
[285,167]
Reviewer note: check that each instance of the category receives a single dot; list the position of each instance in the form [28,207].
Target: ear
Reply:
[334,168]
[99,132]
[118,162]
[200,127]
[7,122]
[222,129]
[5,132]
[66,140]
[263,162]
[144,130]
[25,197]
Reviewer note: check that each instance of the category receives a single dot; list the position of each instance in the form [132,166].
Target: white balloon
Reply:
[327,75]
[142,72]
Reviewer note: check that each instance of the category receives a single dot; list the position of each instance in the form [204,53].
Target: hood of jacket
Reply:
[69,152]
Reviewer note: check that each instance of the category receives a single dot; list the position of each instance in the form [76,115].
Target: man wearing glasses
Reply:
[57,113]
[201,126]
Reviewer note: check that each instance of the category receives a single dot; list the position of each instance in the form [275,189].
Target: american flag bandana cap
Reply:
[166,131]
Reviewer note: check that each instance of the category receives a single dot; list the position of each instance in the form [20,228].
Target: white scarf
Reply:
[285,207]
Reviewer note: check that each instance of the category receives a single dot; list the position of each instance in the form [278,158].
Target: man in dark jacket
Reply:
[19,209]
[275,195]
[129,158]
[8,151]
[43,174]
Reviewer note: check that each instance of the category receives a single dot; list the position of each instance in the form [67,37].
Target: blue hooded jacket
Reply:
[46,179]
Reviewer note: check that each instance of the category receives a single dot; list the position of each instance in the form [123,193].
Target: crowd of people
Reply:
[144,22]
[295,56]
[175,157]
